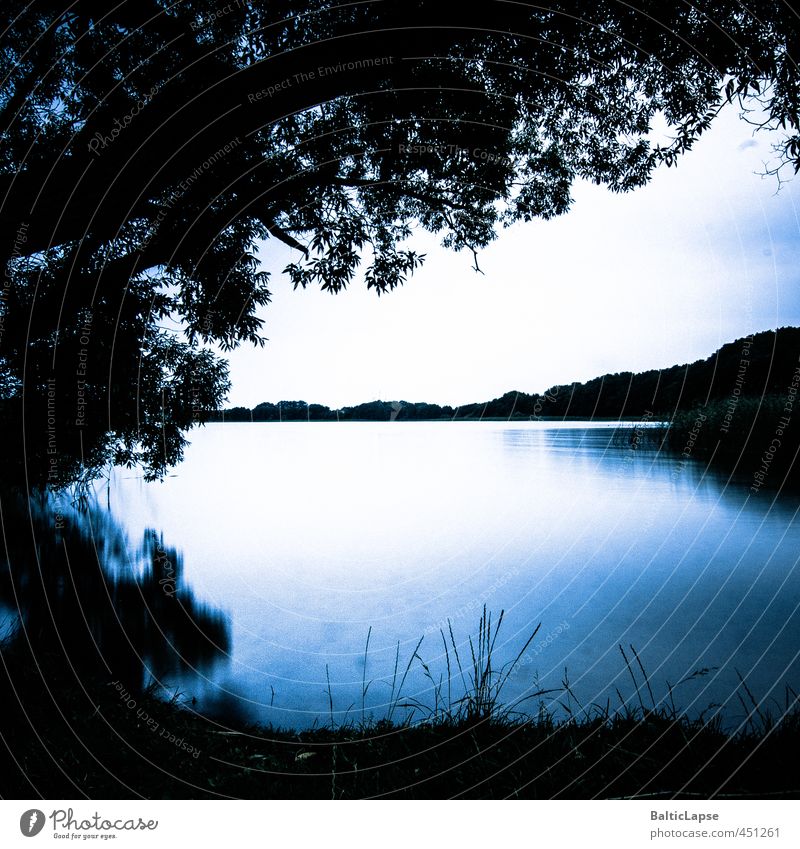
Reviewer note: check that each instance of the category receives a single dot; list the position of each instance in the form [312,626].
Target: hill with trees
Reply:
[752,367]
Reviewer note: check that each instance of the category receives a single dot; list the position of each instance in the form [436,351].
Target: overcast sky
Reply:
[706,253]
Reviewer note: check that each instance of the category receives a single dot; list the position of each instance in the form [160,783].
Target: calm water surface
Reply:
[306,535]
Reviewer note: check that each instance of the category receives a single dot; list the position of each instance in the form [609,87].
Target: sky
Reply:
[705,253]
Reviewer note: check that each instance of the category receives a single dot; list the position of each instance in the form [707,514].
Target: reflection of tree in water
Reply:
[85,599]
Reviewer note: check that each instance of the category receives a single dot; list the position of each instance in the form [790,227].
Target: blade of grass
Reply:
[364,675]
[644,675]
[633,677]
[405,675]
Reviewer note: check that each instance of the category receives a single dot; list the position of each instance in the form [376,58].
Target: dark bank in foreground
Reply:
[68,738]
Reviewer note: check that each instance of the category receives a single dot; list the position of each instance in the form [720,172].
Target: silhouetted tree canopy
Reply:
[149,148]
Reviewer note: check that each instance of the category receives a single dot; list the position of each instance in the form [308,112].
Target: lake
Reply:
[309,537]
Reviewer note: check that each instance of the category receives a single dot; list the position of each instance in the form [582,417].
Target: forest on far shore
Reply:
[757,365]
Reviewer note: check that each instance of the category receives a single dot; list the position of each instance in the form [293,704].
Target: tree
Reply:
[149,148]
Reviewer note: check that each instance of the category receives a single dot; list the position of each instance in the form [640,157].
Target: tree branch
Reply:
[282,236]
[403,191]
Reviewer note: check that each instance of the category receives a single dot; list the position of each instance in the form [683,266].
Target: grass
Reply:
[754,441]
[742,438]
[69,739]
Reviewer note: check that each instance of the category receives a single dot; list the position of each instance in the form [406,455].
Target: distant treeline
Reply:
[373,411]
[761,364]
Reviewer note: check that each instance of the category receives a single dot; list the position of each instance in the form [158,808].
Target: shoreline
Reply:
[622,423]
[95,744]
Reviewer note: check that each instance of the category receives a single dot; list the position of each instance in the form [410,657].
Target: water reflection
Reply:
[73,587]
